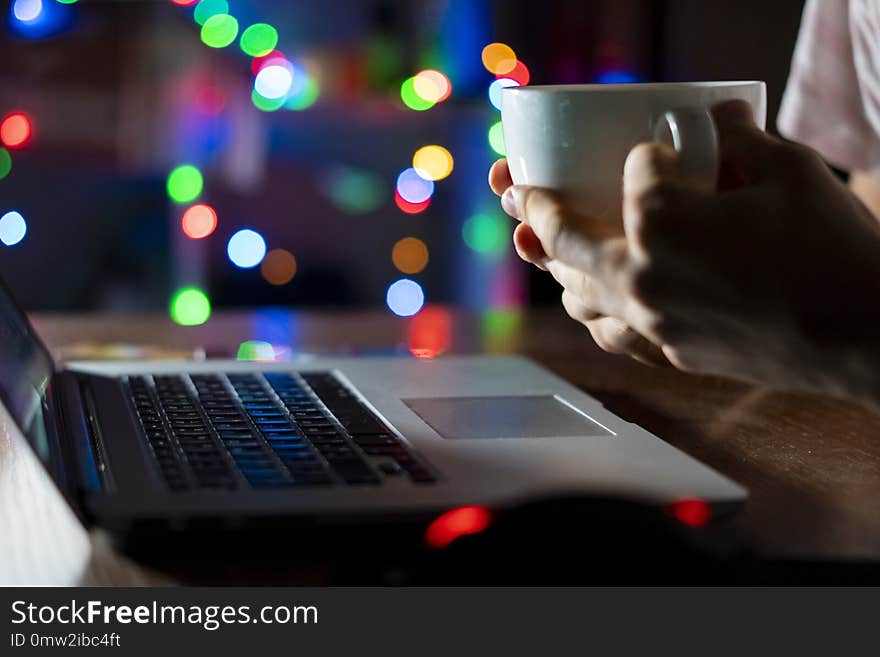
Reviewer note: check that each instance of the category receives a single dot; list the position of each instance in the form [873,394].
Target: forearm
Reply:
[867,189]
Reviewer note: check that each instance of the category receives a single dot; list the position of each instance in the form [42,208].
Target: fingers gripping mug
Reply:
[575,138]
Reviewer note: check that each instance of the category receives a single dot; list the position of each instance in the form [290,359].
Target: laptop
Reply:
[173,445]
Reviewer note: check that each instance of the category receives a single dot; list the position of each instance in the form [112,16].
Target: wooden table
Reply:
[812,465]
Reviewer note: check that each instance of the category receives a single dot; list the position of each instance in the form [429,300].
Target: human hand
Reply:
[772,279]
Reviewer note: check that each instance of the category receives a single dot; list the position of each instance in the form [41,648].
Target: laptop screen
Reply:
[25,371]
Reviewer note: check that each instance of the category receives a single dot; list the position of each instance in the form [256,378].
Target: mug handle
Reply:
[695,139]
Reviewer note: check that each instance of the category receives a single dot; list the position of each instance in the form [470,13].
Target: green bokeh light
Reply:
[259,39]
[5,163]
[354,190]
[486,234]
[496,138]
[412,99]
[219,31]
[184,184]
[266,104]
[67,2]
[255,350]
[304,98]
[208,8]
[190,307]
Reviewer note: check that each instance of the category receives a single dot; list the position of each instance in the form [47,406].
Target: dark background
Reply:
[111,94]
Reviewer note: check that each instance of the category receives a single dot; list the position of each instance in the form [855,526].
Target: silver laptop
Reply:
[171,444]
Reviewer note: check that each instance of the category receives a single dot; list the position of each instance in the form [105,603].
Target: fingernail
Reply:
[508,202]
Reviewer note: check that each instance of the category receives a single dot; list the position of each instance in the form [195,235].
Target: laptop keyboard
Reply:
[267,431]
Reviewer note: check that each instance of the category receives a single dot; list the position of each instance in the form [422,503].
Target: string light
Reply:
[258,40]
[405,297]
[15,130]
[410,255]
[432,86]
[208,8]
[5,163]
[411,98]
[410,208]
[219,31]
[259,62]
[495,90]
[13,228]
[496,138]
[199,221]
[27,11]
[266,104]
[273,82]
[486,234]
[278,267]
[246,248]
[499,58]
[413,187]
[190,306]
[433,162]
[184,183]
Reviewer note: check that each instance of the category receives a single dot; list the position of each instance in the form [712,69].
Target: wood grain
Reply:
[812,465]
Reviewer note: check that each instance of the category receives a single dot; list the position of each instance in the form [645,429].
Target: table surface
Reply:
[812,465]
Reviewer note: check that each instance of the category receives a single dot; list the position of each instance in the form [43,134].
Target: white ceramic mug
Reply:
[575,138]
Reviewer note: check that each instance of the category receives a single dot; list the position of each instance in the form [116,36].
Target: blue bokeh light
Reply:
[495,90]
[618,77]
[246,248]
[413,187]
[405,297]
[38,19]
[13,228]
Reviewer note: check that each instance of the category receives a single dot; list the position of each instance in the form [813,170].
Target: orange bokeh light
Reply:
[410,255]
[15,130]
[432,85]
[278,267]
[499,58]
[410,208]
[199,221]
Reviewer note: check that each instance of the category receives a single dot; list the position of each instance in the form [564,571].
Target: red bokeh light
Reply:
[15,130]
[410,208]
[693,513]
[259,62]
[457,522]
[520,73]
[429,332]
[184,3]
[199,221]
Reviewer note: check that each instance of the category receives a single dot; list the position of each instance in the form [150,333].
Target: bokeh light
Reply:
[500,329]
[429,332]
[184,183]
[355,191]
[413,187]
[259,39]
[433,162]
[618,77]
[219,31]
[207,8]
[246,248]
[305,97]
[13,228]
[267,104]
[259,62]
[274,81]
[487,234]
[495,90]
[432,86]
[27,10]
[410,255]
[410,208]
[199,221]
[411,98]
[209,99]
[190,306]
[256,350]
[278,267]
[499,58]
[496,138]
[520,73]
[67,2]
[15,130]
[184,3]
[5,163]
[405,297]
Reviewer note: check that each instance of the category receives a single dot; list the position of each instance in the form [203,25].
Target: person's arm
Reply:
[867,188]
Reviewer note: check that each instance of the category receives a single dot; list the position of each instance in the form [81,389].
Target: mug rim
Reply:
[634,86]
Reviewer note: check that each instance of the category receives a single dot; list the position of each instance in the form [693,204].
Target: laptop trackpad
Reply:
[504,417]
